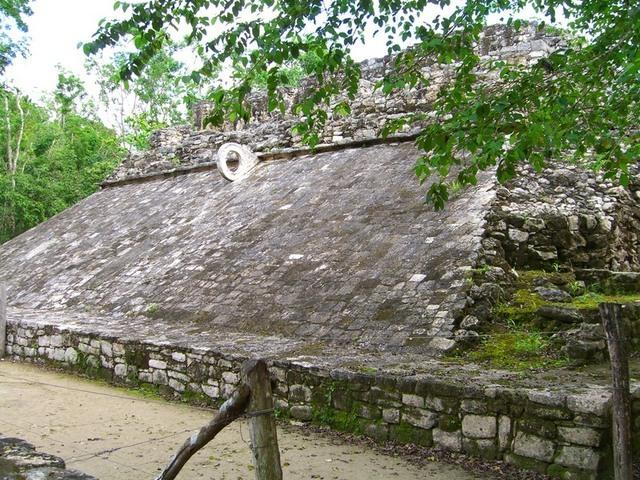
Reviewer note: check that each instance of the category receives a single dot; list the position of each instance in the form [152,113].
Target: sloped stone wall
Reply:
[557,432]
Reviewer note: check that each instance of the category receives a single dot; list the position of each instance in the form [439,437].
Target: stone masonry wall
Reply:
[568,216]
[182,147]
[551,431]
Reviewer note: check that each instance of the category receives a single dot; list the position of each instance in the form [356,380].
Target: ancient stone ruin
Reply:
[329,264]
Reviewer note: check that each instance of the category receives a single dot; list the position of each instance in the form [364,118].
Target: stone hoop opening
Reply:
[246,159]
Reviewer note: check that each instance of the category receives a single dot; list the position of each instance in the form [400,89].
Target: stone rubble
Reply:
[19,460]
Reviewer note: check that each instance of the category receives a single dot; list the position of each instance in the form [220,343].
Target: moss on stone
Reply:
[138,357]
[405,433]
[518,338]
[591,300]
[196,398]
[449,423]
[517,350]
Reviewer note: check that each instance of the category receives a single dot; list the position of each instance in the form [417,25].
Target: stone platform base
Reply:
[561,429]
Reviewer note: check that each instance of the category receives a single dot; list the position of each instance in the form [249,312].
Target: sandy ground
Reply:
[113,434]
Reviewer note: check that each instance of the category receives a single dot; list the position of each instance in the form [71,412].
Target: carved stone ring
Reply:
[247,160]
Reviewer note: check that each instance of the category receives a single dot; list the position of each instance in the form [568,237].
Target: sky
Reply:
[55,29]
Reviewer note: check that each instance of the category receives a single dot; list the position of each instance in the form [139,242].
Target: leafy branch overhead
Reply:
[580,101]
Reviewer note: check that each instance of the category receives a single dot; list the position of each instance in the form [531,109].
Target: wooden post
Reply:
[262,422]
[611,315]
[3,319]
[230,410]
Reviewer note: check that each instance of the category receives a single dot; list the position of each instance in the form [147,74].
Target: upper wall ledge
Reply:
[185,149]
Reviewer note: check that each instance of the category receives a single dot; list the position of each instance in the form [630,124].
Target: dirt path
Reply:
[77,419]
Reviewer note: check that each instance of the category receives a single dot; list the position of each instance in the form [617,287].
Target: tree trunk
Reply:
[611,315]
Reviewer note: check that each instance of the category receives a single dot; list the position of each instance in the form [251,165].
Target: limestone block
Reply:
[58,354]
[301,412]
[230,377]
[391,415]
[547,397]
[106,348]
[479,426]
[179,357]
[504,432]
[118,349]
[532,446]
[71,356]
[299,393]
[176,385]
[146,377]
[227,390]
[159,377]
[106,362]
[595,402]
[120,370]
[420,418]
[211,390]
[179,376]
[448,440]
[412,400]
[580,435]
[518,235]
[159,364]
[578,457]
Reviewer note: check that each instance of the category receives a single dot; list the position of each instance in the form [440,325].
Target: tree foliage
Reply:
[47,164]
[582,100]
[12,26]
[159,97]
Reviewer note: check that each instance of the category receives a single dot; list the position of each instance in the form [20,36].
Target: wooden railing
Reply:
[251,399]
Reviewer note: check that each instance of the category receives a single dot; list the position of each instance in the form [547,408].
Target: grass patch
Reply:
[517,350]
[591,300]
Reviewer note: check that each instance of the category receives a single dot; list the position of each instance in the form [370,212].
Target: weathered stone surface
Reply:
[420,418]
[301,412]
[208,260]
[479,426]
[560,314]
[579,457]
[553,294]
[532,446]
[157,364]
[595,402]
[504,432]
[580,435]
[391,415]
[19,460]
[448,440]
[412,400]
